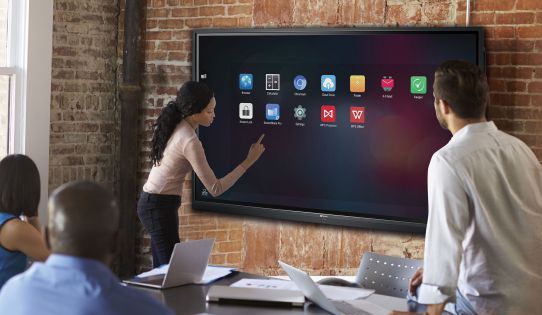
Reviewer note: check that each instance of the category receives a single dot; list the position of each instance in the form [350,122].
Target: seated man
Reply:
[483,241]
[75,279]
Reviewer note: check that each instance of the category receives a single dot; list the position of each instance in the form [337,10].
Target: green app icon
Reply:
[418,85]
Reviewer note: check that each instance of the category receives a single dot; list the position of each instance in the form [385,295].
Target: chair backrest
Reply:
[386,275]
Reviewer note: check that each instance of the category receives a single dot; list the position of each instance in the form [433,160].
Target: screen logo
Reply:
[328,113]
[357,83]
[418,85]
[300,112]
[245,110]
[300,83]
[328,83]
[272,82]
[357,114]
[245,82]
[272,111]
[387,83]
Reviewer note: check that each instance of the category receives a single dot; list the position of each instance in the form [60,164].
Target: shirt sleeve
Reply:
[195,154]
[446,226]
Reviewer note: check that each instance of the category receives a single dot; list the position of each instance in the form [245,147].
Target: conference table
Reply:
[190,299]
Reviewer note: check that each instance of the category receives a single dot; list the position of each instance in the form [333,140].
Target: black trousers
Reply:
[159,216]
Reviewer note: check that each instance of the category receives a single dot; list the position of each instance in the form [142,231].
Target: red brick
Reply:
[492,5]
[515,18]
[515,86]
[530,31]
[239,10]
[529,5]
[198,22]
[224,22]
[170,24]
[184,12]
[478,18]
[535,87]
[526,59]
[211,11]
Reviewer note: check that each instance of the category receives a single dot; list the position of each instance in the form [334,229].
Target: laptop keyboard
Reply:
[349,309]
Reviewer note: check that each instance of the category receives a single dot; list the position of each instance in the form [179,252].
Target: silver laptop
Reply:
[186,265]
[311,290]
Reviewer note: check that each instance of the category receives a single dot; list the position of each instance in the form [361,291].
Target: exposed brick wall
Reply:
[514,40]
[84,116]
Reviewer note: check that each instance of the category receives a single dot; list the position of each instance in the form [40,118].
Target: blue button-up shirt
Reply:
[73,286]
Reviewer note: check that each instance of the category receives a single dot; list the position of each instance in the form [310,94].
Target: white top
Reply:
[184,153]
[484,231]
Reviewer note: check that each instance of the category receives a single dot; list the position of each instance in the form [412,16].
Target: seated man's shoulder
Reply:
[140,302]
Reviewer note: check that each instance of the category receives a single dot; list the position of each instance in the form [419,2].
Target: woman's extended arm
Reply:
[195,154]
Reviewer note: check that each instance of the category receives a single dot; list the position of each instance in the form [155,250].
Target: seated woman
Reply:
[20,235]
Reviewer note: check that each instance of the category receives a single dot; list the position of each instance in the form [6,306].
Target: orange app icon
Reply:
[357,83]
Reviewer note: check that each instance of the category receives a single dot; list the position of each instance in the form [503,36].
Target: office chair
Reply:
[386,275]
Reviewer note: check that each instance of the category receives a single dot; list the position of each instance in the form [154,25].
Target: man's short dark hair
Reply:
[19,185]
[464,87]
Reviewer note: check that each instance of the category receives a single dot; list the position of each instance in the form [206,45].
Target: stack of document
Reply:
[331,292]
[212,273]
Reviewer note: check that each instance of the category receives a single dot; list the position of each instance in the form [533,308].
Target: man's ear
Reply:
[445,107]
[45,232]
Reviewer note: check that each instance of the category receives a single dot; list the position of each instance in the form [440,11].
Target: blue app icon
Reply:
[272,111]
[300,83]
[328,83]
[245,81]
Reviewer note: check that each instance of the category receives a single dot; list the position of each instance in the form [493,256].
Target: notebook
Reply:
[311,290]
[186,265]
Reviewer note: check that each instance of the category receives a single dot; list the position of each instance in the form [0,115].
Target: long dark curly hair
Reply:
[191,99]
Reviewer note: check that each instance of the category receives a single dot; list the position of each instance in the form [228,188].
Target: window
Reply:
[26,32]
[7,76]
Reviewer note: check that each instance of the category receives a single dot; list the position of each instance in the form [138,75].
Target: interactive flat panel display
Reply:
[348,118]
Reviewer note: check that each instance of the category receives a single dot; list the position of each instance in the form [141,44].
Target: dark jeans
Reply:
[159,216]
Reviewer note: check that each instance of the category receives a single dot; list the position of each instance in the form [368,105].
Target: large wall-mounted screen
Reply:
[348,118]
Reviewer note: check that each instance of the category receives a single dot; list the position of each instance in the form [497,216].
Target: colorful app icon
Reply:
[387,83]
[245,81]
[328,113]
[245,110]
[357,83]
[272,82]
[328,83]
[357,114]
[418,85]
[300,83]
[300,112]
[272,111]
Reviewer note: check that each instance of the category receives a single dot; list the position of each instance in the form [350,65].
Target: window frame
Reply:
[29,60]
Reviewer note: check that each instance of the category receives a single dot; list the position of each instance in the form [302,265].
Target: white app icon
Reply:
[245,110]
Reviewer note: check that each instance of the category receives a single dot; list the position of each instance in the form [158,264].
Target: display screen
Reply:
[347,114]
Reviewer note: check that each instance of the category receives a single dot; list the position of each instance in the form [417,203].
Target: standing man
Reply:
[75,279]
[483,245]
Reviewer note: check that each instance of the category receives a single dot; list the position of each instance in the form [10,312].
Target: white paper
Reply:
[211,274]
[162,270]
[344,293]
[265,284]
[331,292]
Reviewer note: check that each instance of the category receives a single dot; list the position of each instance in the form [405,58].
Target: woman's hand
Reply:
[254,153]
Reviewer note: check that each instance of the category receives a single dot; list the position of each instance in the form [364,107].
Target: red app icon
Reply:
[328,113]
[357,114]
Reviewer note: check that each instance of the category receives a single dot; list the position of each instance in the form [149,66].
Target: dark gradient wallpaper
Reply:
[373,167]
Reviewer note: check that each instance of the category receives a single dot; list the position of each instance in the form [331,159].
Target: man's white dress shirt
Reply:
[484,230]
